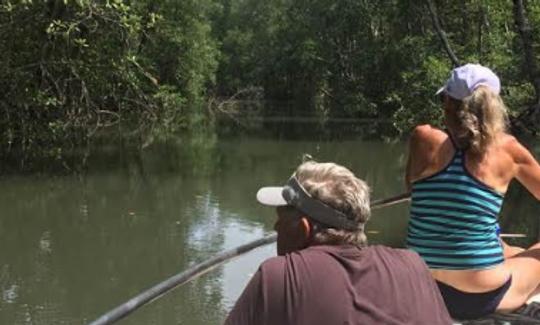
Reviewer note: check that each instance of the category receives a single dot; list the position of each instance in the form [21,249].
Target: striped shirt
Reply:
[453,223]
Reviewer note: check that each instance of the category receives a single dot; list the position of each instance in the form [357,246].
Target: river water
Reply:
[75,244]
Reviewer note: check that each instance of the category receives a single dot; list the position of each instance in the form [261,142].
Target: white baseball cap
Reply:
[465,79]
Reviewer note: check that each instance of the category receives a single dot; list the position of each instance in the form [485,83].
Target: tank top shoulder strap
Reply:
[454,144]
[458,152]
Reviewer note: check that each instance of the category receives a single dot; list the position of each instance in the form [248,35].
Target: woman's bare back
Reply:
[433,150]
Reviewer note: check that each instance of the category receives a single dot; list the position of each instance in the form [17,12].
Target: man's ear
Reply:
[305,227]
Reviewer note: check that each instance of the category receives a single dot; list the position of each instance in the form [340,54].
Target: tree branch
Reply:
[441,33]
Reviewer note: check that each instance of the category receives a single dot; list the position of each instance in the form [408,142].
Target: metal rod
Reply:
[161,288]
[512,235]
[381,203]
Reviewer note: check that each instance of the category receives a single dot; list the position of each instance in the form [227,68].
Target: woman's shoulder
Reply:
[526,167]
[510,153]
[428,135]
[514,148]
[511,145]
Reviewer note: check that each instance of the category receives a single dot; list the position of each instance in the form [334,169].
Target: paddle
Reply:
[161,288]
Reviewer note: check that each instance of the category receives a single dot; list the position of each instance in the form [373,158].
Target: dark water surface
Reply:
[74,245]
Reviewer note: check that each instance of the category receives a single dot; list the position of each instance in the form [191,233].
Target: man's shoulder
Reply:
[273,264]
[322,253]
[300,258]
[381,249]
[403,254]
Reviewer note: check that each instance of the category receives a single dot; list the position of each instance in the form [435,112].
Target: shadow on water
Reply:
[82,237]
[288,121]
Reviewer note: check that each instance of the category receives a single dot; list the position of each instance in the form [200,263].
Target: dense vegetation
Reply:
[151,68]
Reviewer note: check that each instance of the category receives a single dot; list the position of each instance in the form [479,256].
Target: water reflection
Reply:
[76,245]
[240,270]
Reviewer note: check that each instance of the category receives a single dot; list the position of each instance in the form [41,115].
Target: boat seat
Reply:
[529,314]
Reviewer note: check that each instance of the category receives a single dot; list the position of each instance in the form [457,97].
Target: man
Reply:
[325,272]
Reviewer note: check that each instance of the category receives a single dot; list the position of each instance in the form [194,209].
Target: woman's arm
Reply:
[510,251]
[408,182]
[422,144]
[528,169]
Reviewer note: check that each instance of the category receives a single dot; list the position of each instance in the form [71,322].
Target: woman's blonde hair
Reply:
[477,119]
[339,188]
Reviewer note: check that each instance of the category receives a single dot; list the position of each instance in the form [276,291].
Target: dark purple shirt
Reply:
[341,285]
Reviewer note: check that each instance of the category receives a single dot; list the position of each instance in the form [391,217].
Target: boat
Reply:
[529,314]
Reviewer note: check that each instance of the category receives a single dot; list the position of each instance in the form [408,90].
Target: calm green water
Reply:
[73,247]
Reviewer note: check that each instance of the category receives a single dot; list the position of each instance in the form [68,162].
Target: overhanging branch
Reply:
[442,35]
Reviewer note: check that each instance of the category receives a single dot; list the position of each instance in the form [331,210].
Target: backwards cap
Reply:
[465,79]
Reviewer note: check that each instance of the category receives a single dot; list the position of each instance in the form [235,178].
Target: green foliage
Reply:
[368,58]
[149,68]
[71,68]
[418,104]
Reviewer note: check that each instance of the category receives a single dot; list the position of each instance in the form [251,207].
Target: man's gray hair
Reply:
[339,188]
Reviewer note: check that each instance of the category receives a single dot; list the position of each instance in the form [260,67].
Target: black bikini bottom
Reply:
[468,305]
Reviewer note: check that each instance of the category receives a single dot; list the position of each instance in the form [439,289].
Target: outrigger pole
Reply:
[161,288]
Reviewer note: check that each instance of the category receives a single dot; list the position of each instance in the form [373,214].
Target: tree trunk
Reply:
[482,22]
[530,117]
[441,33]
[525,31]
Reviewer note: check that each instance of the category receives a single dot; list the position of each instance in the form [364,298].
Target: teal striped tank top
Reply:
[453,222]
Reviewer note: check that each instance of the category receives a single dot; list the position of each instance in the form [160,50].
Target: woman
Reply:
[457,178]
